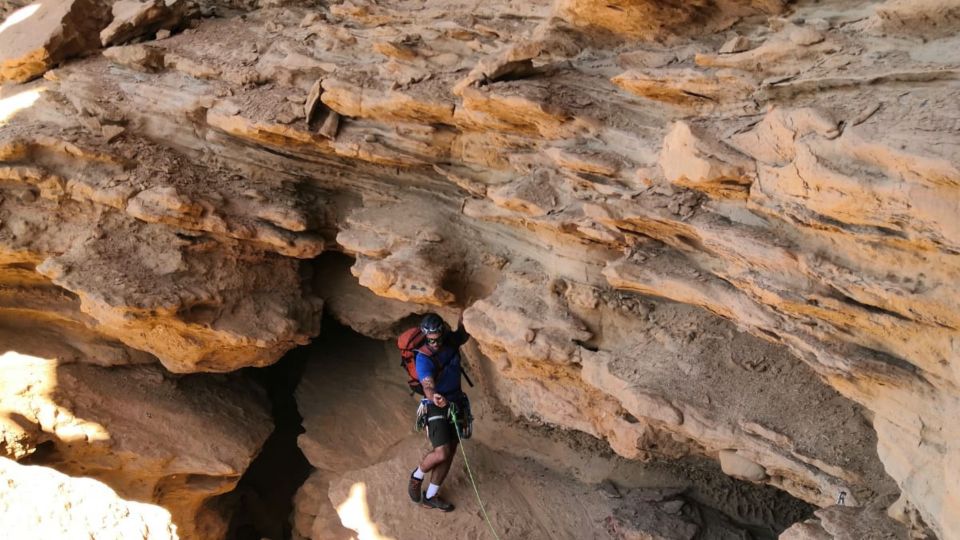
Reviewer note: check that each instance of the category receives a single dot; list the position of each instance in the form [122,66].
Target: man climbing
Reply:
[439,373]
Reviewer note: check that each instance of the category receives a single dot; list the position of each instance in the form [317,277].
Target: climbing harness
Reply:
[423,421]
[453,416]
[464,429]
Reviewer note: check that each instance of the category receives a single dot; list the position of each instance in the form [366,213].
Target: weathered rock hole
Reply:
[200,314]
[689,242]
[45,452]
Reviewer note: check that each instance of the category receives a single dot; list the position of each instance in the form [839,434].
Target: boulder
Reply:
[41,35]
[738,466]
[133,19]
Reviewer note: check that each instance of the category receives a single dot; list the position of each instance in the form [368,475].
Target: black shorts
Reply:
[439,426]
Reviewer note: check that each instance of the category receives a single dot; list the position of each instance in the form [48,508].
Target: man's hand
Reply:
[428,391]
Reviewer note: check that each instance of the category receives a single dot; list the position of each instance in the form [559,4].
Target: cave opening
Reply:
[360,456]
[264,495]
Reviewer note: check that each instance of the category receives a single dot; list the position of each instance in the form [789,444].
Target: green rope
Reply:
[456,426]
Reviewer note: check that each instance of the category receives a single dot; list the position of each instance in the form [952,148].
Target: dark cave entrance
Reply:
[264,495]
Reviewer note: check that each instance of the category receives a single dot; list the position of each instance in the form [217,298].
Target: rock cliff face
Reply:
[722,229]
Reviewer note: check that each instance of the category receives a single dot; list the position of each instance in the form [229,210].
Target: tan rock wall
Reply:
[792,169]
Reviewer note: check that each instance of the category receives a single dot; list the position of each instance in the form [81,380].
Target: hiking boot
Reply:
[413,488]
[436,502]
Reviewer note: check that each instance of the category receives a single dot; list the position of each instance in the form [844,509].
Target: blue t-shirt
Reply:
[448,359]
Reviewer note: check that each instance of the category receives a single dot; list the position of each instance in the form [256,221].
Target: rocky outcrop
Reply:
[41,319]
[649,20]
[843,522]
[132,19]
[637,392]
[356,306]
[137,280]
[134,429]
[41,35]
[556,169]
[41,502]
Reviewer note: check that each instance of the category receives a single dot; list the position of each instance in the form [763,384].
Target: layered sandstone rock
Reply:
[41,319]
[639,392]
[793,172]
[40,35]
[649,20]
[135,274]
[174,443]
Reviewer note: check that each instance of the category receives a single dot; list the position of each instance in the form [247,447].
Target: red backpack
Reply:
[410,343]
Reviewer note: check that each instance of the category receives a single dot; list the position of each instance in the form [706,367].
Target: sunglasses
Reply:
[433,339]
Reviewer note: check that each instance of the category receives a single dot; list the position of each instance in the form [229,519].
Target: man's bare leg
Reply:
[438,461]
[442,456]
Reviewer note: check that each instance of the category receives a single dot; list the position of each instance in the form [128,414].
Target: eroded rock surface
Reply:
[174,443]
[38,36]
[638,389]
[552,168]
[133,19]
[137,276]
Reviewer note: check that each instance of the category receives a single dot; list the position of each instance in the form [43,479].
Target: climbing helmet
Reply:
[433,328]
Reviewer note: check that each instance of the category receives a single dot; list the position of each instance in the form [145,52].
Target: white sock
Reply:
[432,490]
[418,474]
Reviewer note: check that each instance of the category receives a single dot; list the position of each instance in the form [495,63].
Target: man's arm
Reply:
[429,391]
[460,335]
[429,388]
[425,374]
